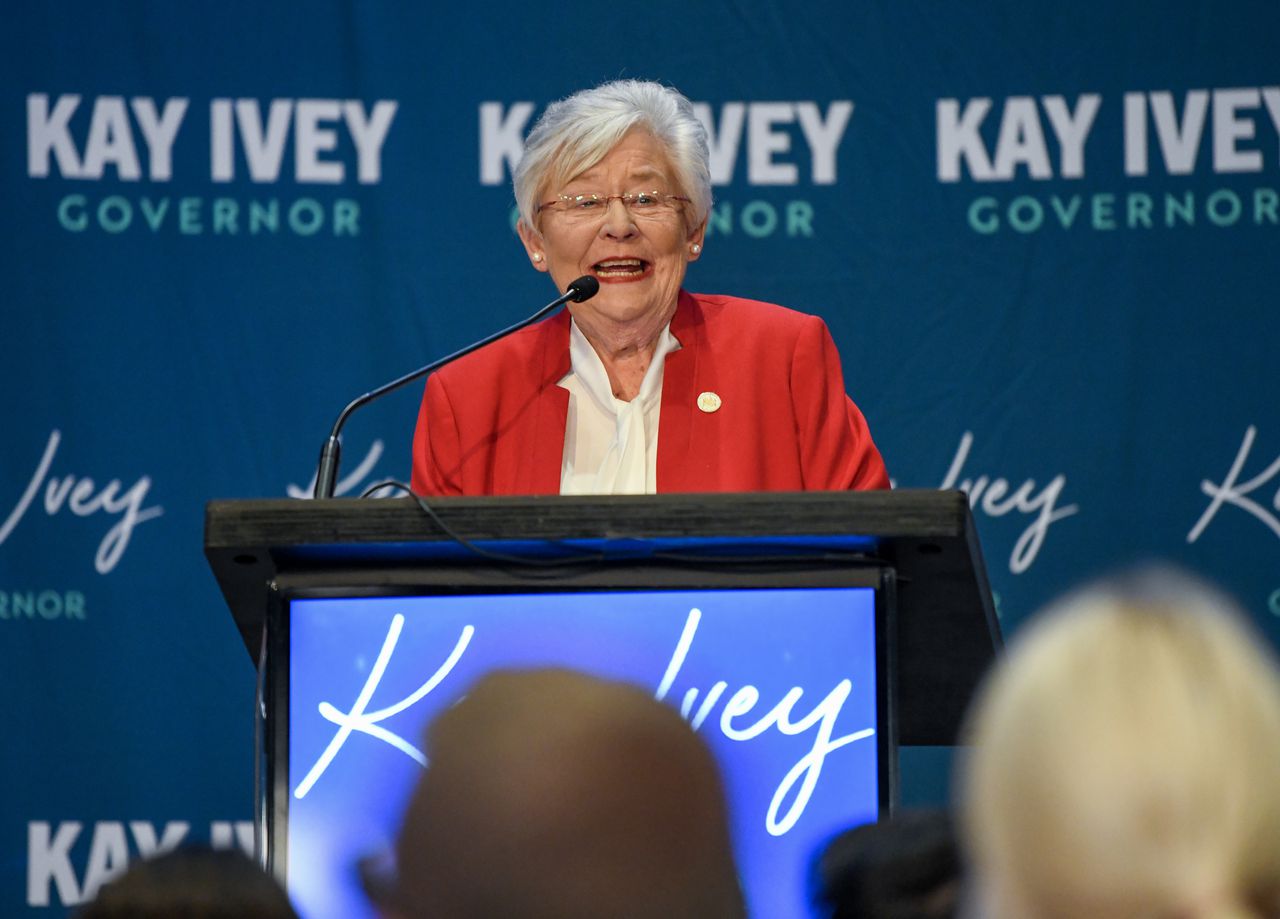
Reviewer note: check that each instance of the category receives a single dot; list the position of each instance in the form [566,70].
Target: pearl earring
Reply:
[696,248]
[537,256]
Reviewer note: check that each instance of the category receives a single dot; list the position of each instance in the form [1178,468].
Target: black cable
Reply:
[586,556]
[821,555]
[385,483]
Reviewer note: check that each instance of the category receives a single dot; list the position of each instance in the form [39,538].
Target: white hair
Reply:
[574,134]
[1124,760]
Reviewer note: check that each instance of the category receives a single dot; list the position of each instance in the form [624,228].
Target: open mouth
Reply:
[621,269]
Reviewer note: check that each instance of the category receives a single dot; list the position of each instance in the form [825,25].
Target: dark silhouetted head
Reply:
[904,868]
[554,794]
[193,882]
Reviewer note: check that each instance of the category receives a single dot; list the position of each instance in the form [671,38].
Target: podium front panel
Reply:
[784,673]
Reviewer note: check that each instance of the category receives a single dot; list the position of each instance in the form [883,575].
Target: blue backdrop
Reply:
[1044,237]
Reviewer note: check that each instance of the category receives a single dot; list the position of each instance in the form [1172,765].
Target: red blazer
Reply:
[493,423]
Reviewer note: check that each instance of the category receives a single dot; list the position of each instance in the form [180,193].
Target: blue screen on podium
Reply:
[367,674]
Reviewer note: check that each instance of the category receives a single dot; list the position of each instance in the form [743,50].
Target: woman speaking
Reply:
[643,388]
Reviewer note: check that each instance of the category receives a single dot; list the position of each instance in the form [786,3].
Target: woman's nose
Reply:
[617,223]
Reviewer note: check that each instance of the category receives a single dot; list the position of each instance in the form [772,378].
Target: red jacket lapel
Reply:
[677,442]
[537,464]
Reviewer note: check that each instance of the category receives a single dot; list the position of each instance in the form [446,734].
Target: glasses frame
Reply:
[605,200]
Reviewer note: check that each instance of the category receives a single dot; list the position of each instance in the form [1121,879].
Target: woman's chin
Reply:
[617,304]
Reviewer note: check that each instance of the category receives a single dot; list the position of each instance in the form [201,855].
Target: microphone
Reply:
[583,288]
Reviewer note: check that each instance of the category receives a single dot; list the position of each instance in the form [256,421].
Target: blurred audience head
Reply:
[193,882]
[1124,760]
[554,794]
[907,867]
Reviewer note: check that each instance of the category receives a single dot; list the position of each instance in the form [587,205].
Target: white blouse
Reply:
[611,446]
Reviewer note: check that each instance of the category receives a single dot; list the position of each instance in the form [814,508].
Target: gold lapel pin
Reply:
[709,402]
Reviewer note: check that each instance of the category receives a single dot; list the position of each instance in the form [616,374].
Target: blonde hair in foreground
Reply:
[1125,759]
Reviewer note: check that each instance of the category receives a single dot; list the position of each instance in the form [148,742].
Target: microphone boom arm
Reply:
[330,454]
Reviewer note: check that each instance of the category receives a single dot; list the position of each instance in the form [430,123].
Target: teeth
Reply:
[620,266]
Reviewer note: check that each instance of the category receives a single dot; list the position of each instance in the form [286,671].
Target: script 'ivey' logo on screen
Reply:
[334,142]
[782,684]
[798,784]
[785,144]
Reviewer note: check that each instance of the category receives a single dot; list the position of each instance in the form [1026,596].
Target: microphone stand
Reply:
[581,289]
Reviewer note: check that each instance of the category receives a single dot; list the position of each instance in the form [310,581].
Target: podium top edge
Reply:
[920,513]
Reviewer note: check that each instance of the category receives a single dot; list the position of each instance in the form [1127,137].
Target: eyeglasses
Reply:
[642,205]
